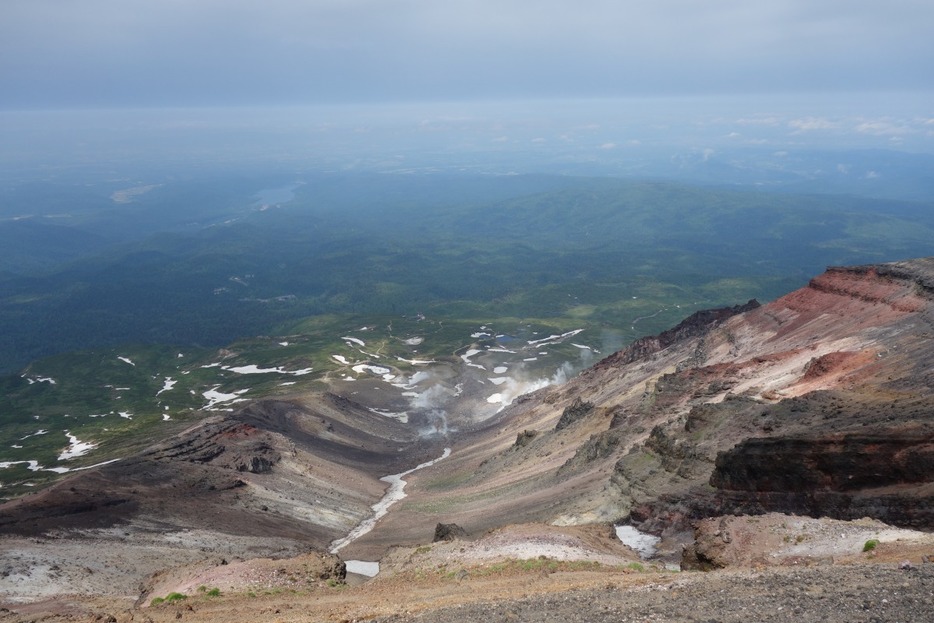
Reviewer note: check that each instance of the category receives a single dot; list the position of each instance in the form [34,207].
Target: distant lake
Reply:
[273,196]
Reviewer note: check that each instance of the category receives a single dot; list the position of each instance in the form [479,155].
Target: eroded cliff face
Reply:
[816,404]
[841,463]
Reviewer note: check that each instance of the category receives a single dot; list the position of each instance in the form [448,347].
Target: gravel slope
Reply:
[845,594]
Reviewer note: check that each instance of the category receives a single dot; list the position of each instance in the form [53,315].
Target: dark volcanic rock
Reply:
[525,438]
[696,324]
[229,445]
[885,476]
[576,411]
[449,532]
[848,463]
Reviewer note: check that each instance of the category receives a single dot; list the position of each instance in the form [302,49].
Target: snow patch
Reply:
[254,369]
[554,339]
[377,370]
[75,448]
[470,353]
[644,544]
[355,340]
[395,493]
[169,384]
[402,416]
[127,360]
[362,567]
[215,397]
[416,362]
[34,466]
[40,379]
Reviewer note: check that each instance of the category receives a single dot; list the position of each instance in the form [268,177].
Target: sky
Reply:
[57,54]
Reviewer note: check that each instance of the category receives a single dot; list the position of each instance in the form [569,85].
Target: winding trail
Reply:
[395,493]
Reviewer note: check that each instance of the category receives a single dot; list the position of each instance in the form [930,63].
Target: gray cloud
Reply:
[156,52]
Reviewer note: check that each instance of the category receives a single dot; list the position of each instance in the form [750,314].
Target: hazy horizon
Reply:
[865,144]
[108,88]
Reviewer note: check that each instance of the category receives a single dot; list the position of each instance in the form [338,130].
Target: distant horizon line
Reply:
[483,101]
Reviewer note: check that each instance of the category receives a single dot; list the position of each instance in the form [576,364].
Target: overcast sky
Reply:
[81,53]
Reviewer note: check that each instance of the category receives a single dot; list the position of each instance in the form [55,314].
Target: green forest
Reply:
[193,265]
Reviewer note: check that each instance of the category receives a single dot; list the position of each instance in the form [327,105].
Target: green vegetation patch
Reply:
[168,599]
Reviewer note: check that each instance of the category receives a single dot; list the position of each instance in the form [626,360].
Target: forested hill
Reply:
[203,263]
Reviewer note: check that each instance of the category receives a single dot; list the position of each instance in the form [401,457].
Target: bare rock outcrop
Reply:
[778,539]
[449,532]
[840,463]
[696,324]
[578,410]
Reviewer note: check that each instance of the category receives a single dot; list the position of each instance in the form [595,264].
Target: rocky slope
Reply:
[278,478]
[815,404]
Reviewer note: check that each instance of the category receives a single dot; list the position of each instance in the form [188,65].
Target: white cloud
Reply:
[769,120]
[883,128]
[809,124]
